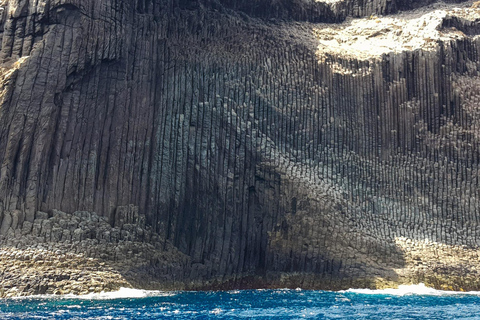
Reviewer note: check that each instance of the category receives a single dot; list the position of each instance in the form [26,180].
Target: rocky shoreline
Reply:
[41,271]
[266,153]
[82,253]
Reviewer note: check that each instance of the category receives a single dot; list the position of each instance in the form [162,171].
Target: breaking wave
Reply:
[413,289]
[122,293]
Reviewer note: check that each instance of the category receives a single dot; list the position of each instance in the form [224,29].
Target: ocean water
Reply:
[407,302]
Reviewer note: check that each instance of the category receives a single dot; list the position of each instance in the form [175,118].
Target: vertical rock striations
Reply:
[268,152]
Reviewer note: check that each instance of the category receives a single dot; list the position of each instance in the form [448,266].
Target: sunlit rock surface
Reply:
[321,144]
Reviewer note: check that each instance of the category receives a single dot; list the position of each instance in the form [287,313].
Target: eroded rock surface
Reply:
[81,252]
[263,147]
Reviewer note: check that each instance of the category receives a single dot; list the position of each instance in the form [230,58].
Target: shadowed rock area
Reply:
[238,144]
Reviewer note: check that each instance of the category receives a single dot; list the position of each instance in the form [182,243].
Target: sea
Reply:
[406,302]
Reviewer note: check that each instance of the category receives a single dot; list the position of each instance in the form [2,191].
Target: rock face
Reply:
[260,145]
[81,252]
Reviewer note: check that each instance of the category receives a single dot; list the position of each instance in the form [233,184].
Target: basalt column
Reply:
[263,150]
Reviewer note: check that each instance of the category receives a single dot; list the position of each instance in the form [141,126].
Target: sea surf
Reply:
[406,302]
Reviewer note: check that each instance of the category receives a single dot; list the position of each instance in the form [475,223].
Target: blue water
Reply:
[250,304]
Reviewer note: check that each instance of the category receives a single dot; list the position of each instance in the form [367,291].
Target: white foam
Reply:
[413,289]
[122,293]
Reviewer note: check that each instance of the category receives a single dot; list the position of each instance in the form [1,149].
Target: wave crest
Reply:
[122,293]
[413,289]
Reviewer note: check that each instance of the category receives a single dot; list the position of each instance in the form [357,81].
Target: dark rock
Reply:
[27,228]
[41,215]
[126,215]
[6,223]
[233,144]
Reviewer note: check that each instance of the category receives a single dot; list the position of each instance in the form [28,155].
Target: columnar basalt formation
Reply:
[257,144]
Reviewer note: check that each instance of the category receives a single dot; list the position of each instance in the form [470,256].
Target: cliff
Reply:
[234,144]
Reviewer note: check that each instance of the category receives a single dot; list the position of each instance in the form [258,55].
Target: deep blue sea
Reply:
[407,302]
